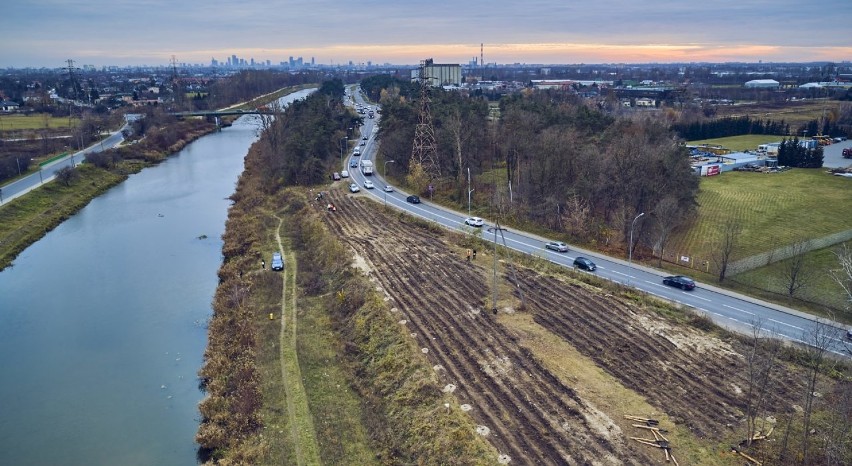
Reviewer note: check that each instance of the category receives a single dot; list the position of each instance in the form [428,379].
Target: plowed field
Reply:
[527,413]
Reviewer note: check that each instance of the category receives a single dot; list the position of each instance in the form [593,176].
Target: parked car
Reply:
[679,281]
[557,246]
[353,164]
[585,264]
[413,199]
[335,176]
[474,221]
[354,188]
[277,261]
[368,184]
[344,174]
[388,188]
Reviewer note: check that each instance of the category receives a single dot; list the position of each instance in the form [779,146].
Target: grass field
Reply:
[773,210]
[820,289]
[740,143]
[794,113]
[22,122]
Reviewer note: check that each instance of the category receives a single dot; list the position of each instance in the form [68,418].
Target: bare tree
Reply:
[668,216]
[761,360]
[725,246]
[818,339]
[843,275]
[795,270]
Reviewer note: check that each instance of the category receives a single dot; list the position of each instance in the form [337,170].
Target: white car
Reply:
[344,174]
[388,188]
[354,188]
[474,221]
[368,184]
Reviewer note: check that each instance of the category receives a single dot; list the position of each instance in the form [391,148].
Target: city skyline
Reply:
[45,33]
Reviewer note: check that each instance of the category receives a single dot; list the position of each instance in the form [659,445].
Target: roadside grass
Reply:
[24,122]
[605,393]
[27,218]
[774,210]
[741,143]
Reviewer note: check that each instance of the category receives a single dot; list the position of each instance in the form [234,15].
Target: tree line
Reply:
[301,144]
[792,154]
[725,127]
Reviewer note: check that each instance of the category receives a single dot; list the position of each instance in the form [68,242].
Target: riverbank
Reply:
[28,218]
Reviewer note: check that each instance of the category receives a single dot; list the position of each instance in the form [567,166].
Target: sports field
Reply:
[23,122]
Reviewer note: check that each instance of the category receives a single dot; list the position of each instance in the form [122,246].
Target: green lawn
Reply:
[819,289]
[740,143]
[774,210]
[20,122]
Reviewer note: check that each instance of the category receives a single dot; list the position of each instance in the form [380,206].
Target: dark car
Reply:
[585,264]
[353,164]
[277,261]
[335,176]
[413,199]
[679,281]
[849,334]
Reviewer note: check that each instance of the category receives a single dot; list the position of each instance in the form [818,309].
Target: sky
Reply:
[46,33]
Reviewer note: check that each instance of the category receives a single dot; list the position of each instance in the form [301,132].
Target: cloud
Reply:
[160,28]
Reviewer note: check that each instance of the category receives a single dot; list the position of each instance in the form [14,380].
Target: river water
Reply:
[102,322]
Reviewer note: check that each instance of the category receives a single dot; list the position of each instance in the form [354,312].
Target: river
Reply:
[103,321]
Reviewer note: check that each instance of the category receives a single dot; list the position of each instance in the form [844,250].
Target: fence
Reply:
[786,252]
[708,264]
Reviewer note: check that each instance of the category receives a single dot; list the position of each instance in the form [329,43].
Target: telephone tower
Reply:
[425,149]
[174,68]
[71,69]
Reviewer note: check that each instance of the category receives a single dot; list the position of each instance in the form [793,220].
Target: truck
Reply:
[367,167]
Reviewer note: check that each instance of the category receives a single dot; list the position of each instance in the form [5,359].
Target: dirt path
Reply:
[299,416]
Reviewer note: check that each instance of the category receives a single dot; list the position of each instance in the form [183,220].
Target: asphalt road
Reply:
[728,309]
[48,172]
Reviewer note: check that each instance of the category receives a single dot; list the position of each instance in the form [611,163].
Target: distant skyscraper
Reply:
[313,63]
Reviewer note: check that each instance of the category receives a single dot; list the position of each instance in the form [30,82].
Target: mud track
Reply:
[525,412]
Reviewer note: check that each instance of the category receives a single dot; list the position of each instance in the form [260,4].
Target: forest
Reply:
[549,160]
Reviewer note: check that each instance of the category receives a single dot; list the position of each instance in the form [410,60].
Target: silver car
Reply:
[557,246]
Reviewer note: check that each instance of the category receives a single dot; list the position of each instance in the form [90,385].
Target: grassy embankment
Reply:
[364,395]
[26,219]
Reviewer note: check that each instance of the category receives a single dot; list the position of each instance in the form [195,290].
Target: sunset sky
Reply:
[118,32]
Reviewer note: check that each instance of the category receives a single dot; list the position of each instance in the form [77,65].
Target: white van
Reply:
[344,174]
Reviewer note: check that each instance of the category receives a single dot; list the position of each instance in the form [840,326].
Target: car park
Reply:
[335,176]
[344,174]
[413,199]
[557,246]
[679,281]
[474,221]
[388,188]
[585,264]
[354,188]
[277,261]
[368,184]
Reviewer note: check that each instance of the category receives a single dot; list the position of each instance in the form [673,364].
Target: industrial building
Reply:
[438,74]
[763,84]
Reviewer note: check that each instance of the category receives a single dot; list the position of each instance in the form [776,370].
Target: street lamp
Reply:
[469,191]
[630,247]
[385,176]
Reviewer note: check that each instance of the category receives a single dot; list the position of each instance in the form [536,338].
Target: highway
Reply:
[48,172]
[728,309]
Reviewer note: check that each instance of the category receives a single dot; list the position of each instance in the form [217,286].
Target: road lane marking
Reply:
[789,325]
[699,297]
[738,309]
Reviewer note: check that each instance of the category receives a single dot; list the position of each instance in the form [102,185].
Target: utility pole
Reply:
[469,191]
[424,151]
